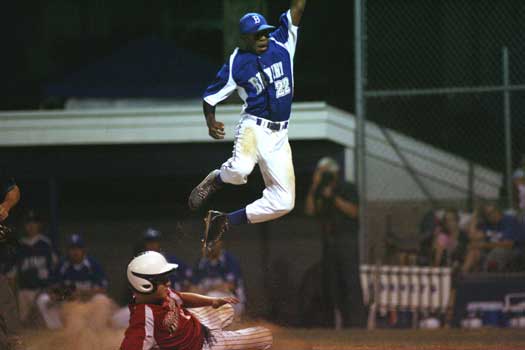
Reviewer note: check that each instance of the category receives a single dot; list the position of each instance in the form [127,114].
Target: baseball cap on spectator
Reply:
[329,164]
[75,241]
[519,174]
[252,23]
[151,234]
[32,216]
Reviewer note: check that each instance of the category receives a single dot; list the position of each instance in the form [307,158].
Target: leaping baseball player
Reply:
[164,319]
[261,70]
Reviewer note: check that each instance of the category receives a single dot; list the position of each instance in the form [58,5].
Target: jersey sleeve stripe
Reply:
[149,326]
[228,89]
[292,35]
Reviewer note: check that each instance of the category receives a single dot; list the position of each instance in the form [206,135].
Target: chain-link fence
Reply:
[441,86]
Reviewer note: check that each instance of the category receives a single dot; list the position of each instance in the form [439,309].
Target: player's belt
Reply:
[275,126]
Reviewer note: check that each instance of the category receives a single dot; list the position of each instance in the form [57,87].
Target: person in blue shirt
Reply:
[218,274]
[35,262]
[180,278]
[80,271]
[261,71]
[495,240]
[78,277]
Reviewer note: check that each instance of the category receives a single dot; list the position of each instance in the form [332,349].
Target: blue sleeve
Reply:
[197,273]
[99,277]
[282,32]
[234,270]
[223,85]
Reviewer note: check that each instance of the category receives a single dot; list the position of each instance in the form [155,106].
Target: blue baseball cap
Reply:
[75,240]
[252,23]
[151,234]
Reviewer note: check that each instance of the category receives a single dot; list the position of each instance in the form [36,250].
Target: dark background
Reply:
[410,44]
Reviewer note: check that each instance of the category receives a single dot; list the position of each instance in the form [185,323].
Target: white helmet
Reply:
[145,268]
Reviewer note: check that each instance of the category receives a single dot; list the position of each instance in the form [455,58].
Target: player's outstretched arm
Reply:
[215,128]
[12,197]
[197,300]
[297,9]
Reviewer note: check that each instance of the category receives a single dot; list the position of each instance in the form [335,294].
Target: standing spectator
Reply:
[9,319]
[78,277]
[335,204]
[494,242]
[518,180]
[218,274]
[450,242]
[35,263]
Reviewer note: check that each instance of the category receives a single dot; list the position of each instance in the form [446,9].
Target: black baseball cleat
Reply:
[216,224]
[204,190]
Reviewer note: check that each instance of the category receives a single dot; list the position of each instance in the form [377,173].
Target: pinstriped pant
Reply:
[243,339]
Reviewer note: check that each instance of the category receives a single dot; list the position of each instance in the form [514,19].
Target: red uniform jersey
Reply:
[168,326]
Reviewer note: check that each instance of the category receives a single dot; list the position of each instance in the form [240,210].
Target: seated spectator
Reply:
[449,241]
[79,277]
[36,260]
[495,240]
[218,274]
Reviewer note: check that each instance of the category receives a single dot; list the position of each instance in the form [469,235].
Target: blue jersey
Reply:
[265,82]
[181,276]
[226,269]
[35,262]
[86,275]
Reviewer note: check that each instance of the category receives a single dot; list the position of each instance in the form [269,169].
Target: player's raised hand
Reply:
[4,213]
[218,302]
[216,130]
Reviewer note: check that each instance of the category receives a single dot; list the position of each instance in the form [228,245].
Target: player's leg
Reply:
[212,318]
[49,310]
[273,153]
[259,338]
[276,166]
[234,171]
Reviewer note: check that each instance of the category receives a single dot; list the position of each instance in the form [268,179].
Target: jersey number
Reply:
[282,87]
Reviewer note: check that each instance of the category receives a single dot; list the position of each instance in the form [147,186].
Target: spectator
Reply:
[79,277]
[335,204]
[450,241]
[518,180]
[494,242]
[218,274]
[36,260]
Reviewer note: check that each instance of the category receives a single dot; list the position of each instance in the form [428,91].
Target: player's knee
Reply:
[288,202]
[236,174]
[285,204]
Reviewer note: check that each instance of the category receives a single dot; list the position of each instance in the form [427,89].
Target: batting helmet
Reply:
[146,270]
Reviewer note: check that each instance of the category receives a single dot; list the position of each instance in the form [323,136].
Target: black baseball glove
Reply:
[5,232]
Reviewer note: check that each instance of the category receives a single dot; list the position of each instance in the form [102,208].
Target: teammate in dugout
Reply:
[162,318]
[261,71]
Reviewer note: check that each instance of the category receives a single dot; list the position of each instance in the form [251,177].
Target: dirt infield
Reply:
[87,328]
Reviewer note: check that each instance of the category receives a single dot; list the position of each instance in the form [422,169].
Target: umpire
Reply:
[9,321]
[335,205]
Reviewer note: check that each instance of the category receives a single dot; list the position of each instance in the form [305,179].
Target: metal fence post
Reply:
[360,107]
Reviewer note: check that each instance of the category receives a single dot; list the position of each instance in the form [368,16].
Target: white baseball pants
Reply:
[259,338]
[257,144]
